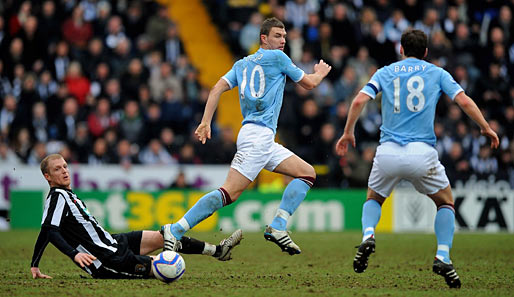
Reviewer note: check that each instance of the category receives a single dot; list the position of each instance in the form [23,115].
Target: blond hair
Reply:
[44,163]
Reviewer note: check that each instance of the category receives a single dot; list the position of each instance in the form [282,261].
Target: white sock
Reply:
[184,224]
[209,249]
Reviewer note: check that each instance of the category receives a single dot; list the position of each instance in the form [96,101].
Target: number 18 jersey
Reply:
[410,90]
[261,78]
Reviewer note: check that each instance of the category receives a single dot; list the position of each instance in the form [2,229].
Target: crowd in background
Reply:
[108,82]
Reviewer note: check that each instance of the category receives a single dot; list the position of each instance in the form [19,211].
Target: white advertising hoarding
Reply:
[112,177]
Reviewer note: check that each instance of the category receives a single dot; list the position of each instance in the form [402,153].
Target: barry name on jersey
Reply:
[404,68]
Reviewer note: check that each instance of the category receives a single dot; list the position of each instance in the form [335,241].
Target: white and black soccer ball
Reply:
[168,266]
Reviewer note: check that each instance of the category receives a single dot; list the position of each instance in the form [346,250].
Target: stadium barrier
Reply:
[477,209]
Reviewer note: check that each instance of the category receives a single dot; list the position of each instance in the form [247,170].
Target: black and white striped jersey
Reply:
[65,213]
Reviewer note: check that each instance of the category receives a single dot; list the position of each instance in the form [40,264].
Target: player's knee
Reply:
[380,200]
[308,176]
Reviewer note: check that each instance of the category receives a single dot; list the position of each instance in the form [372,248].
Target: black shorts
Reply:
[126,262]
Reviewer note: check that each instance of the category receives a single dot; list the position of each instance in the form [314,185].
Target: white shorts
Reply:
[257,150]
[416,162]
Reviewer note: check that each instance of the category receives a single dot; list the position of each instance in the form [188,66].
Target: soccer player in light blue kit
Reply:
[261,78]
[410,91]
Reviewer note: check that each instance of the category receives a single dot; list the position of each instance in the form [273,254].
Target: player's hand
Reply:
[37,274]
[342,144]
[203,132]
[492,135]
[322,68]
[84,259]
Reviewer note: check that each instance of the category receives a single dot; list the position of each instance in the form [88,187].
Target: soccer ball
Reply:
[168,266]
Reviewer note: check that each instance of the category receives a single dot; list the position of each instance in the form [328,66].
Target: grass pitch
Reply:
[401,266]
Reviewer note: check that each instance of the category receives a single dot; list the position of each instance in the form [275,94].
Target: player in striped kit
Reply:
[69,226]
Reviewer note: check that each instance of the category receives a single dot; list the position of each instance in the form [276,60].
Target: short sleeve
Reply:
[54,210]
[449,86]
[230,77]
[288,67]
[373,87]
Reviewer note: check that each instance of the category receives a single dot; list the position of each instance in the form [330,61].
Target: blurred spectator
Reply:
[191,86]
[76,31]
[101,119]
[171,47]
[28,97]
[180,182]
[40,128]
[81,144]
[16,21]
[167,137]
[121,56]
[94,56]
[99,155]
[46,86]
[157,25]
[295,43]
[187,155]
[456,164]
[131,123]
[113,93]
[132,78]
[346,86]
[162,80]
[309,123]
[49,23]
[343,31]
[115,32]
[7,156]
[124,156]
[67,122]
[153,123]
[60,62]
[250,34]
[33,42]
[380,49]
[134,19]
[395,25]
[297,11]
[23,144]
[5,83]
[78,85]
[430,22]
[155,154]
[8,114]
[484,164]
[100,77]
[37,154]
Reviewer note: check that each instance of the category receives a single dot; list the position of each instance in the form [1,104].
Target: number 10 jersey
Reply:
[261,78]
[410,90]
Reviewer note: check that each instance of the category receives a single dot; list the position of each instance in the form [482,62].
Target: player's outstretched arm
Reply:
[348,137]
[471,109]
[310,81]
[203,132]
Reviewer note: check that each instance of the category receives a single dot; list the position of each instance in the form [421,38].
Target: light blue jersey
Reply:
[261,78]
[410,89]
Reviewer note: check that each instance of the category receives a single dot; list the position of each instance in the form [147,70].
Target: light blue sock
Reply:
[203,209]
[444,227]
[371,211]
[293,195]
